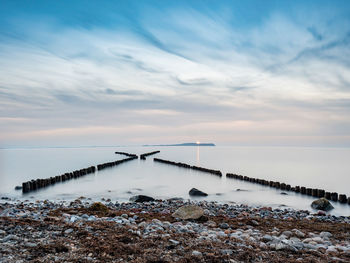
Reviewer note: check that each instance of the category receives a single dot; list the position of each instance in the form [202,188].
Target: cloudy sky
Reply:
[140,72]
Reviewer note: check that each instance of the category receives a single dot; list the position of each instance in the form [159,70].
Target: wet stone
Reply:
[68,231]
[224,226]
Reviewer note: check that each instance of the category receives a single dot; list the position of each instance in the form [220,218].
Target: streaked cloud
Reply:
[173,73]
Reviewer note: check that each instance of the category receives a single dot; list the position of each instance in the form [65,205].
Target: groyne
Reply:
[36,184]
[111,164]
[314,192]
[187,166]
[144,155]
[127,154]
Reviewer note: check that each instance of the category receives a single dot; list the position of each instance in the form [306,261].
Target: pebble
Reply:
[325,234]
[174,242]
[226,251]
[254,223]
[267,238]
[10,237]
[287,233]
[245,236]
[30,244]
[196,253]
[68,231]
[298,233]
[224,226]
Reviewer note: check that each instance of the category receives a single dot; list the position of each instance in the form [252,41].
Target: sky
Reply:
[254,73]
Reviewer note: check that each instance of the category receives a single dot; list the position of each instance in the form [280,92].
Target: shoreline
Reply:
[61,231]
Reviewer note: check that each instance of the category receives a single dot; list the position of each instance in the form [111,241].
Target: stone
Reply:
[98,207]
[174,242]
[321,213]
[30,244]
[141,198]
[175,199]
[322,204]
[262,245]
[196,192]
[10,237]
[224,226]
[73,219]
[68,231]
[18,187]
[196,253]
[267,238]
[254,223]
[226,252]
[287,233]
[298,233]
[285,246]
[324,234]
[317,239]
[188,212]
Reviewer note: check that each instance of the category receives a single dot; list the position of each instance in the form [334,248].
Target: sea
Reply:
[324,168]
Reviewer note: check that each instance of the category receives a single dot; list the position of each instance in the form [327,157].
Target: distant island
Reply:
[183,144]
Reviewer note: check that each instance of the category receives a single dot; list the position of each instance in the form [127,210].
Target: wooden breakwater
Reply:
[111,164]
[315,192]
[193,167]
[127,154]
[37,184]
[144,155]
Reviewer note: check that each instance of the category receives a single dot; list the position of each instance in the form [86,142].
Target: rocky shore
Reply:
[88,231]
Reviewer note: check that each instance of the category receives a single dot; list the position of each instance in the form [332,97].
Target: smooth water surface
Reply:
[326,168]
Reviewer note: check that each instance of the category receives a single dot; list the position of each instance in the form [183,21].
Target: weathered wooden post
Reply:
[334,196]
[308,191]
[342,198]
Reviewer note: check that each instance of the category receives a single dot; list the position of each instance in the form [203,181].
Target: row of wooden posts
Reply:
[37,184]
[143,156]
[193,167]
[333,196]
[34,185]
[126,154]
[111,164]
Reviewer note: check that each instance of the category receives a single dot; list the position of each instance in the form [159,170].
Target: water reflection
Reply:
[197,156]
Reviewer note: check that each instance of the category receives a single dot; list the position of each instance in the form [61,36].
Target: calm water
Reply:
[326,168]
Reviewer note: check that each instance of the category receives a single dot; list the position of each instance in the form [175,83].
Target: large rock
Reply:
[196,192]
[141,198]
[98,207]
[188,212]
[322,204]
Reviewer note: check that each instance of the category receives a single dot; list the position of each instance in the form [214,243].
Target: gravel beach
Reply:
[86,231]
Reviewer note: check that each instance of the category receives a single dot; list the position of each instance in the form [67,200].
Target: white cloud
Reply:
[204,76]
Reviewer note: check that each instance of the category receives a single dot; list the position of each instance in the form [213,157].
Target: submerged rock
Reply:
[322,204]
[141,198]
[188,212]
[196,192]
[18,187]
